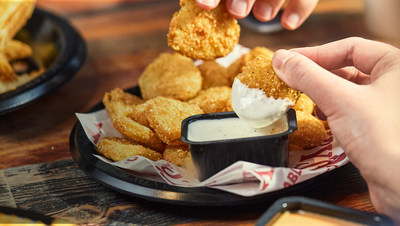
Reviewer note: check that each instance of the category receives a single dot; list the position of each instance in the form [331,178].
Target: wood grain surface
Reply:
[123,36]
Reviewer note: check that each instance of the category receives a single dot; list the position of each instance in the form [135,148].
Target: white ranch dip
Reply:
[254,107]
[230,128]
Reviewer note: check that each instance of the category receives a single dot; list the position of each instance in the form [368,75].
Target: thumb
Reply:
[301,73]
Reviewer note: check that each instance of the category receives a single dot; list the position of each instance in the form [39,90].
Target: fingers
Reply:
[239,8]
[365,55]
[296,12]
[265,10]
[353,74]
[207,4]
[303,74]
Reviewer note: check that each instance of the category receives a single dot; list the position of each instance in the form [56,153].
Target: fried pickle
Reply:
[179,156]
[119,149]
[120,103]
[139,114]
[259,74]
[138,133]
[165,117]
[213,75]
[259,97]
[170,75]
[215,99]
[304,104]
[236,67]
[311,131]
[203,34]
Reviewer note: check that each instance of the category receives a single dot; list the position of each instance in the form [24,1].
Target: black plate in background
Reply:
[58,47]
[82,151]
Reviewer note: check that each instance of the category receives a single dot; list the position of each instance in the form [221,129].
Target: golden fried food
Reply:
[215,99]
[138,133]
[119,149]
[311,131]
[139,114]
[259,74]
[203,34]
[13,17]
[15,50]
[213,75]
[170,75]
[165,117]
[21,79]
[304,104]
[179,156]
[120,103]
[236,67]
[6,71]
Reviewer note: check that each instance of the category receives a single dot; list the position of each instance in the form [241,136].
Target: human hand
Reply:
[295,13]
[356,85]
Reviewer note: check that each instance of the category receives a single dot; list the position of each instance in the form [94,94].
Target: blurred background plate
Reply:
[57,47]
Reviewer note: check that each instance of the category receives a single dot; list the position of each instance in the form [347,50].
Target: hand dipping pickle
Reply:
[218,140]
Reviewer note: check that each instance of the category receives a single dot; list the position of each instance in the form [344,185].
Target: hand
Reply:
[356,85]
[295,13]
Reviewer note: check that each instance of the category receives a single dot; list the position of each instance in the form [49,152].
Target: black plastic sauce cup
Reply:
[210,157]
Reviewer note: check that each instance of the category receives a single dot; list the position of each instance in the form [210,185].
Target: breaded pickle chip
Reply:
[179,156]
[119,149]
[119,103]
[259,74]
[214,99]
[165,118]
[213,75]
[139,114]
[203,34]
[311,131]
[170,75]
[138,133]
[236,67]
[304,104]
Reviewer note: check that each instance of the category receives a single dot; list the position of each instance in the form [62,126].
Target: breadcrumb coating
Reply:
[166,115]
[304,104]
[214,99]
[236,67]
[138,133]
[203,34]
[119,149]
[214,75]
[259,74]
[170,75]
[179,156]
[310,131]
[120,103]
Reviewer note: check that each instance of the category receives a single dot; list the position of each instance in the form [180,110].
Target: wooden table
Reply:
[123,36]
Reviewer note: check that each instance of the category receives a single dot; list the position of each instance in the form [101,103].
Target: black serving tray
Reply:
[67,54]
[82,151]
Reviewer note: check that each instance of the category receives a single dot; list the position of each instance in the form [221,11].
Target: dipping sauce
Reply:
[301,217]
[255,108]
[231,128]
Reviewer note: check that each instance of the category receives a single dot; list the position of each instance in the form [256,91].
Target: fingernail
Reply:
[238,7]
[293,20]
[207,2]
[279,59]
[263,10]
